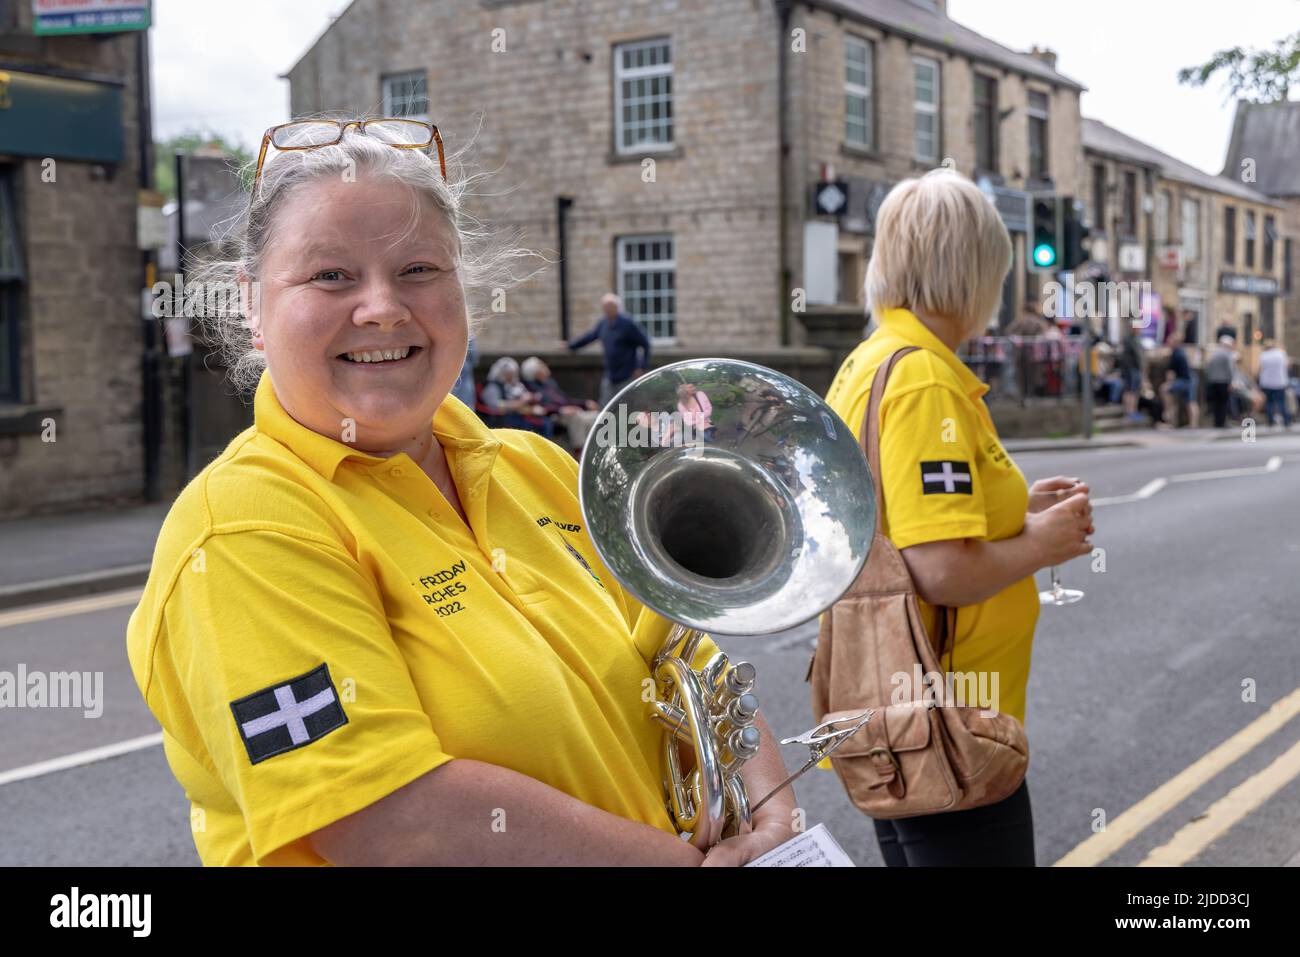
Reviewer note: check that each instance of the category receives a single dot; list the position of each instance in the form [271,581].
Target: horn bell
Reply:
[749,528]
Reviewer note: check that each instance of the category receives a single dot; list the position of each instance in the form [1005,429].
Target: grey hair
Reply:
[501,366]
[530,367]
[486,262]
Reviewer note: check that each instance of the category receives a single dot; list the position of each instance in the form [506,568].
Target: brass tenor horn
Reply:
[729,499]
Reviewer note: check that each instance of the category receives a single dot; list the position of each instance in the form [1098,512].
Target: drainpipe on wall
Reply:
[562,204]
[784,9]
[150,363]
[187,381]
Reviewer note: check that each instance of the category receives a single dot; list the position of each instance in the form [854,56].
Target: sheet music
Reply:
[812,848]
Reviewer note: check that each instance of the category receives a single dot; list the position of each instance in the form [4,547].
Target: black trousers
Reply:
[1219,394]
[996,835]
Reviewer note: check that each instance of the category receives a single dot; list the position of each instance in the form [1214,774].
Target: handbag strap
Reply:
[869,437]
[869,434]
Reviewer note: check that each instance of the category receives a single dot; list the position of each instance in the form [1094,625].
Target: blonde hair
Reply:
[941,249]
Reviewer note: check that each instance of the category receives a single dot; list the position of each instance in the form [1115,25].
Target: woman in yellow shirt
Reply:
[970,530]
[375,631]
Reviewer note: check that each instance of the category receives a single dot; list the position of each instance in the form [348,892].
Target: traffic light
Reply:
[1074,234]
[1045,237]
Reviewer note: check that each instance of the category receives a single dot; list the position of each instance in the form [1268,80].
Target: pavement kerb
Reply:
[73,586]
[1065,445]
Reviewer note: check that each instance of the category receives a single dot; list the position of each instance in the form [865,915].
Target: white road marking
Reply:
[1146,491]
[1273,464]
[80,758]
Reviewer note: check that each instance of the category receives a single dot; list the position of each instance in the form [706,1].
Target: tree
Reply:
[189,142]
[1260,75]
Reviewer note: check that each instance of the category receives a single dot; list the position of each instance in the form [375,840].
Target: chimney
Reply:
[1043,55]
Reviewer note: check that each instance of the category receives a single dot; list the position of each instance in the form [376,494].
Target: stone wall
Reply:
[79,309]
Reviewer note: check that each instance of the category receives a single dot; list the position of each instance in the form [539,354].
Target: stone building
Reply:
[1265,150]
[679,149]
[73,143]
[892,88]
[1209,245]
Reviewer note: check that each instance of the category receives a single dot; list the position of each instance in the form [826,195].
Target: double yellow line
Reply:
[1193,838]
[66,607]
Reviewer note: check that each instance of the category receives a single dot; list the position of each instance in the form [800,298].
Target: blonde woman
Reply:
[375,631]
[970,529]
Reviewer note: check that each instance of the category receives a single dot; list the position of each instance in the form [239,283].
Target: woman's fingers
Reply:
[1054,483]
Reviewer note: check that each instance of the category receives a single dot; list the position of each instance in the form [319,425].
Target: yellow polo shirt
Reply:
[946,475]
[320,628]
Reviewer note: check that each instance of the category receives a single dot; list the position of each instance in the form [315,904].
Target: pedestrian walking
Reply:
[1130,362]
[1273,380]
[971,531]
[627,350]
[1219,370]
[1180,384]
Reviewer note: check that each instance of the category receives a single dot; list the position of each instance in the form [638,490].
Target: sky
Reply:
[219,71]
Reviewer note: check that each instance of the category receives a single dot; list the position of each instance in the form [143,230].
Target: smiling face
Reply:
[344,275]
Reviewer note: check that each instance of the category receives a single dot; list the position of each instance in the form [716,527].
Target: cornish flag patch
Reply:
[950,478]
[289,714]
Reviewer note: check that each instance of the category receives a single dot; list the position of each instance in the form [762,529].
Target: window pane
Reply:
[406,94]
[645,116]
[857,68]
[8,241]
[924,73]
[925,136]
[1037,147]
[1191,229]
[645,281]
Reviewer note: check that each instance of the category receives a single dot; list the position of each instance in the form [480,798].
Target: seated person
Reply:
[506,396]
[576,416]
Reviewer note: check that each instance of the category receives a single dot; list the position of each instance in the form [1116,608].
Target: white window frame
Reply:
[1163,203]
[388,98]
[621,74]
[661,328]
[860,91]
[933,109]
[1191,228]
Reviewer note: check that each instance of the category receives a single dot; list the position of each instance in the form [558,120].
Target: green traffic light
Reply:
[1044,255]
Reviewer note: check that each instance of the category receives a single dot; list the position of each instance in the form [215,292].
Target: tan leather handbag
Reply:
[921,754]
